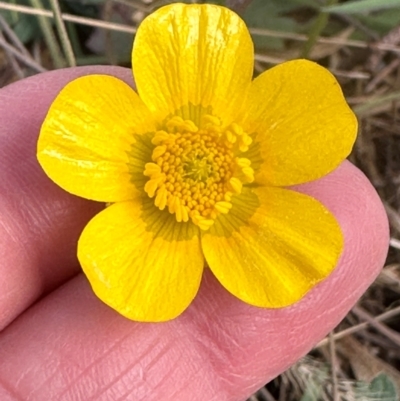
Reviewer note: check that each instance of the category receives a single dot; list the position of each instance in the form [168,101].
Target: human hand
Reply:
[70,346]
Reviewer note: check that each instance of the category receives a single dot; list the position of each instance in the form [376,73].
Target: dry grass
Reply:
[368,340]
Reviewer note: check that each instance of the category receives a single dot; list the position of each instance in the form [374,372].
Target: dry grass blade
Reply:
[381,75]
[12,36]
[324,40]
[49,37]
[69,17]
[354,329]
[14,64]
[395,243]
[376,105]
[391,334]
[332,352]
[394,217]
[27,60]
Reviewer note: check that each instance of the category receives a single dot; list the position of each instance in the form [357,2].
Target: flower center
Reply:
[195,172]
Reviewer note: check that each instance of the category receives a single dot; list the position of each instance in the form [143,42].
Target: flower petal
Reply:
[190,55]
[273,258]
[87,134]
[304,126]
[141,262]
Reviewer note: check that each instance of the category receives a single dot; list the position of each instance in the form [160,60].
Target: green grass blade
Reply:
[362,6]
[63,34]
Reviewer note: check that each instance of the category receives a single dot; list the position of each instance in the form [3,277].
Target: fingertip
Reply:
[39,222]
[349,195]
[271,340]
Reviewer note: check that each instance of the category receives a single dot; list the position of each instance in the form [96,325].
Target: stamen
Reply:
[237,129]
[230,136]
[159,137]
[204,223]
[158,151]
[248,173]
[243,162]
[228,196]
[245,142]
[195,171]
[236,185]
[151,187]
[223,207]
[181,125]
[161,198]
[151,169]
[208,118]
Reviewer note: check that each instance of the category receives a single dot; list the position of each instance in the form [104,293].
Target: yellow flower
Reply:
[195,164]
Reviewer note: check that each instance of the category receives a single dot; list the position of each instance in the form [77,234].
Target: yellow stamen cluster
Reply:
[195,172]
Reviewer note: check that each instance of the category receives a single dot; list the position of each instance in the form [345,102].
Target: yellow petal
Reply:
[141,262]
[273,246]
[186,55]
[88,133]
[303,123]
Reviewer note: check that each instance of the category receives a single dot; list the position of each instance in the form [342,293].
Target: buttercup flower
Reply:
[195,165]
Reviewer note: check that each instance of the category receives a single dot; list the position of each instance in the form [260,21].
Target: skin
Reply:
[59,342]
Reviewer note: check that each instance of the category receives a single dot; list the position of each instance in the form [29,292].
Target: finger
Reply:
[39,222]
[71,346]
